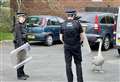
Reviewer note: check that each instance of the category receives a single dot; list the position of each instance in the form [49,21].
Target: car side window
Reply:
[110,20]
[52,21]
[49,22]
[103,20]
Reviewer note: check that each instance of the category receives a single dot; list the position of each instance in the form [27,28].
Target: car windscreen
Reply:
[86,18]
[36,21]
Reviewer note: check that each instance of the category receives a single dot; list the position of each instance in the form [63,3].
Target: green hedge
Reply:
[5,20]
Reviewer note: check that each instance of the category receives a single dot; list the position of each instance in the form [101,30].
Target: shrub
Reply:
[5,20]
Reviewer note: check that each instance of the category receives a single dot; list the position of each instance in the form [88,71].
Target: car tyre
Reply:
[49,40]
[106,43]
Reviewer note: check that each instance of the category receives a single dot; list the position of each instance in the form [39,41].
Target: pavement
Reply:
[48,65]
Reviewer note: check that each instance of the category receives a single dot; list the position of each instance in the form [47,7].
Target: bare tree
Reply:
[1,3]
[55,5]
[109,2]
[19,3]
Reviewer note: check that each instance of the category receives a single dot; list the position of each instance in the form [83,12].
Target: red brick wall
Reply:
[37,7]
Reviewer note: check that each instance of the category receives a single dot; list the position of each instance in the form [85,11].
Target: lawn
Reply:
[6,36]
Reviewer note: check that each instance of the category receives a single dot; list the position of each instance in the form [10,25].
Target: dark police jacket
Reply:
[20,33]
[71,30]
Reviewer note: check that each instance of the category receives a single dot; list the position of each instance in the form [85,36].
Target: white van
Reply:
[117,36]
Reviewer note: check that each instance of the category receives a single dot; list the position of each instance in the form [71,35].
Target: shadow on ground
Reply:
[43,44]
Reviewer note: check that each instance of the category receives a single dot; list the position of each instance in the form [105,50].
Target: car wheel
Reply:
[49,40]
[106,43]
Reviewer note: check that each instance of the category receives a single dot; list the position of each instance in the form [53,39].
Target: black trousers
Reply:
[20,71]
[76,54]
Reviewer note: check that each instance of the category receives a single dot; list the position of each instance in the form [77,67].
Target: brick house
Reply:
[57,7]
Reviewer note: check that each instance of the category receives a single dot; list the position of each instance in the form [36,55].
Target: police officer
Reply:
[71,34]
[19,39]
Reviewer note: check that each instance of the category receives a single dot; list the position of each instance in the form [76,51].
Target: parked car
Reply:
[43,28]
[98,24]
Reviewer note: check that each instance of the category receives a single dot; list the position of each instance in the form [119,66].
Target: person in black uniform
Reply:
[71,34]
[20,39]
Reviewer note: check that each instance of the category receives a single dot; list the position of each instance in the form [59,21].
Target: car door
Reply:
[102,20]
[54,26]
[110,23]
[103,25]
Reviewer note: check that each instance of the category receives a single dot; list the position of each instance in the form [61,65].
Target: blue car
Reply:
[44,28]
[99,25]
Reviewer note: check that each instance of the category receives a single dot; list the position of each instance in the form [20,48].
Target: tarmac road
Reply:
[48,65]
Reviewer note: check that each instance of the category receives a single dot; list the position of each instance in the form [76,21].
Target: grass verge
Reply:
[6,36]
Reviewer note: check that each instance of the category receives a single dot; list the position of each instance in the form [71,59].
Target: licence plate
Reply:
[31,37]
